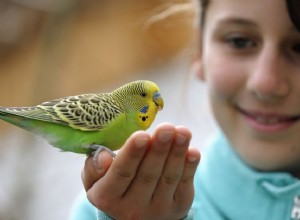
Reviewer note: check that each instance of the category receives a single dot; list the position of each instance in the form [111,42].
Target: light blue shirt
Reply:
[226,188]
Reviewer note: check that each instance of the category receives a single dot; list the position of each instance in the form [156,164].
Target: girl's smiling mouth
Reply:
[267,122]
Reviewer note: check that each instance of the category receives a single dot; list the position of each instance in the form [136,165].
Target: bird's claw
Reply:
[97,150]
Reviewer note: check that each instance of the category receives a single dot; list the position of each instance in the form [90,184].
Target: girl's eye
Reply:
[296,48]
[294,52]
[238,42]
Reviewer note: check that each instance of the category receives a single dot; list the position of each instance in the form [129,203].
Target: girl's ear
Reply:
[197,59]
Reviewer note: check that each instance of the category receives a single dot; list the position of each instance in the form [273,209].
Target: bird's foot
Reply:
[97,150]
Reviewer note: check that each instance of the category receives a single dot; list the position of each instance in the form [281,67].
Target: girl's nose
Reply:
[268,80]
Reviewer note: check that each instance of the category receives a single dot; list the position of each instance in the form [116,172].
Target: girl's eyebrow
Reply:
[225,21]
[236,21]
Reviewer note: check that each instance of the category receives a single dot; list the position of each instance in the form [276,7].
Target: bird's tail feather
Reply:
[14,116]
[35,113]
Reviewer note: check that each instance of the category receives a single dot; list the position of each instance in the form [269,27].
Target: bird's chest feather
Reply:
[116,133]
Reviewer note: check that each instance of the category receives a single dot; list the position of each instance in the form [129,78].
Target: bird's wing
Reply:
[85,112]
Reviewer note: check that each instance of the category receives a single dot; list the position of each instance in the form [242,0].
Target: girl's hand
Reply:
[150,178]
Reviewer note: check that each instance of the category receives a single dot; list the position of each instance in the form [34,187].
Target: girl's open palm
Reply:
[150,178]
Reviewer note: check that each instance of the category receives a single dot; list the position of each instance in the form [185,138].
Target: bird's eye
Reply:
[143,94]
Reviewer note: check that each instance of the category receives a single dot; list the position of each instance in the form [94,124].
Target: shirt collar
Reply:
[222,156]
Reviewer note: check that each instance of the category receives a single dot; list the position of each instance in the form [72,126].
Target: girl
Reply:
[250,59]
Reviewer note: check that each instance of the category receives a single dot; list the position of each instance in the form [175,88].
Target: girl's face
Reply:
[250,59]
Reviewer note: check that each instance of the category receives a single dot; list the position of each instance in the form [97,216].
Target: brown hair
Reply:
[203,8]
[293,7]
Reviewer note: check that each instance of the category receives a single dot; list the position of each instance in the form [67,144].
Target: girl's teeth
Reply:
[273,120]
[261,119]
[269,121]
[264,120]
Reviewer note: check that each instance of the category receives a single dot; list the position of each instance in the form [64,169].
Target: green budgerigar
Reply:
[89,122]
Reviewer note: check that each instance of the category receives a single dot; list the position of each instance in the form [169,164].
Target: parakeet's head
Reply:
[141,95]
[141,100]
[149,91]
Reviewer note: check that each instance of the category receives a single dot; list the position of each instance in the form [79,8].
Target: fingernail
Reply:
[180,139]
[192,159]
[97,166]
[141,142]
[165,136]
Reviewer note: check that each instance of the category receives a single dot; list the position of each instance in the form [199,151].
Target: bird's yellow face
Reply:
[151,102]
[142,99]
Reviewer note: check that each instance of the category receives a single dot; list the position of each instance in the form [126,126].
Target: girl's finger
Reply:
[90,174]
[152,165]
[123,169]
[184,193]
[174,167]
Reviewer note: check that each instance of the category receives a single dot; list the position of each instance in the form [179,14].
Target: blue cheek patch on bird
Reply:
[144,109]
